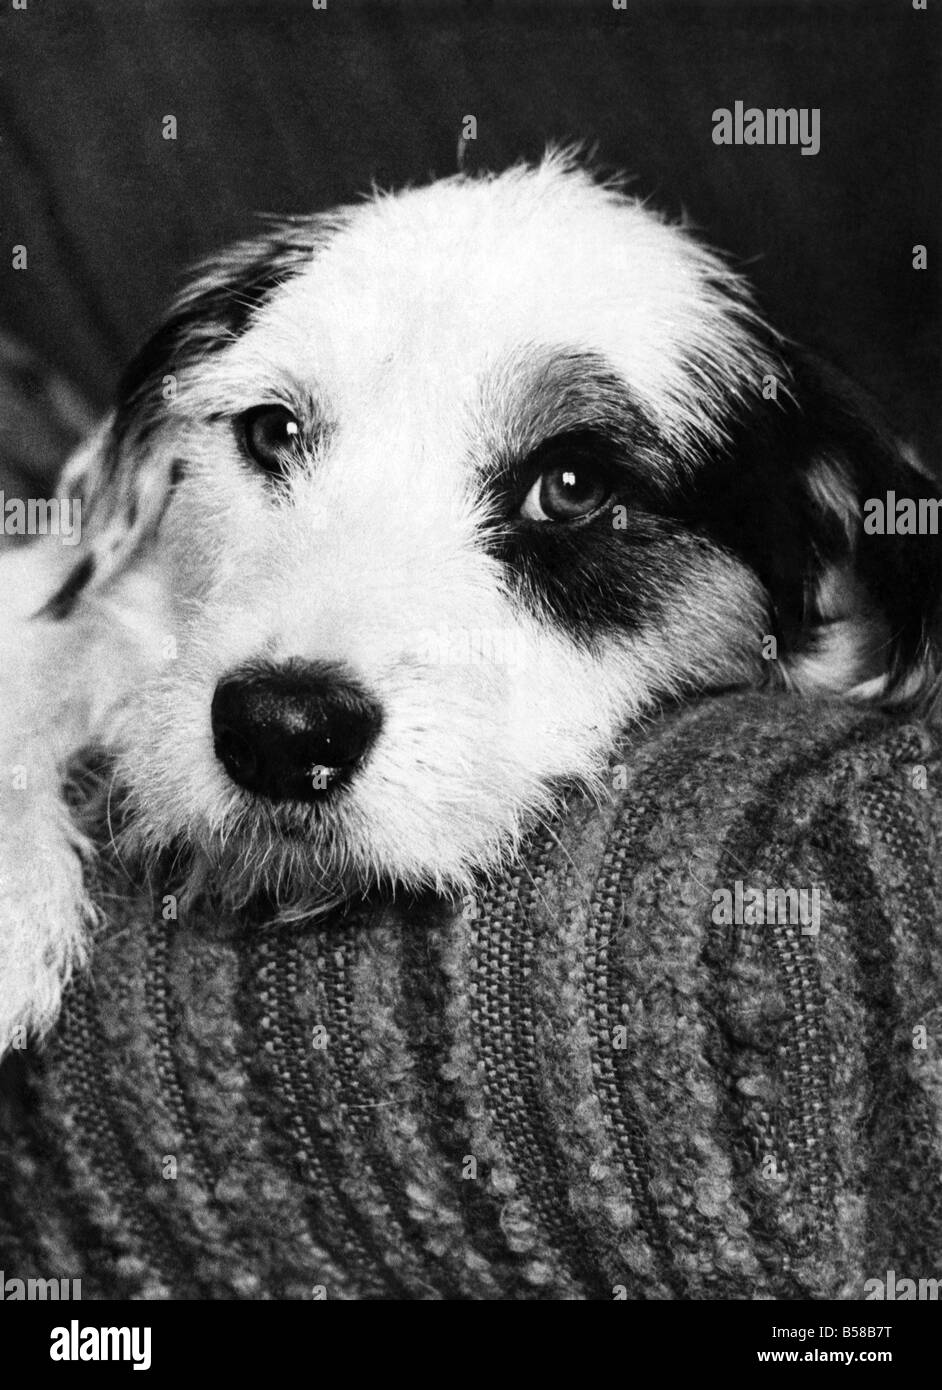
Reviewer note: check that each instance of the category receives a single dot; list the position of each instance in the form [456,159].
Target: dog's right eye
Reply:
[573,479]
[271,435]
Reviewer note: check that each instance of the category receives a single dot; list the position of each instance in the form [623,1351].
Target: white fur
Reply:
[61,691]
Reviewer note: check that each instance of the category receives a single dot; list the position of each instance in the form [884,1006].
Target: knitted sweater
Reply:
[584,1083]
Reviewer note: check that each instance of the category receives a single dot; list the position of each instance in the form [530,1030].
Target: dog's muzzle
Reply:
[292,733]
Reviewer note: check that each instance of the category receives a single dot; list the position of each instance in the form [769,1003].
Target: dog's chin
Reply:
[286,860]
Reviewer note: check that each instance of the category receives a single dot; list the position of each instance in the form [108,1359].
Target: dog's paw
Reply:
[45,916]
[63,684]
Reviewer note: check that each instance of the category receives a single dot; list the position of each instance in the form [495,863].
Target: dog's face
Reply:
[446,488]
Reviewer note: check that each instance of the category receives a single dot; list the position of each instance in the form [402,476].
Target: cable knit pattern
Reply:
[574,1085]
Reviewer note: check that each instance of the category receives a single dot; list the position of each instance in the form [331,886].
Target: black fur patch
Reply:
[216,309]
[548,392]
[63,602]
[756,499]
[594,579]
[752,498]
[591,576]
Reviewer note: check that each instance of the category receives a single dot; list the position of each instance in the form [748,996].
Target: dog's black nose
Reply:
[292,733]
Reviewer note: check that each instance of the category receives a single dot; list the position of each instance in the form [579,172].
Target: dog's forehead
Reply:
[431,292]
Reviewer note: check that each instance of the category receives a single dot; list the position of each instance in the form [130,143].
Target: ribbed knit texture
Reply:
[575,1086]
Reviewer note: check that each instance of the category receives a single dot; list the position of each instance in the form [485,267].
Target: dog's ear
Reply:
[840,524]
[125,473]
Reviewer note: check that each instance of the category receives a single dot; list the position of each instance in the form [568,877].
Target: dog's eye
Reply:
[271,434]
[569,490]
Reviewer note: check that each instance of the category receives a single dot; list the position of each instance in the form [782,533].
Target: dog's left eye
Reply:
[568,490]
[271,434]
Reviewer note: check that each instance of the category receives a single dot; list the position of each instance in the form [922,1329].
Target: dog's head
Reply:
[450,485]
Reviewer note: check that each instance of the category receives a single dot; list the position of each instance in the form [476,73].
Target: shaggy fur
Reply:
[441,351]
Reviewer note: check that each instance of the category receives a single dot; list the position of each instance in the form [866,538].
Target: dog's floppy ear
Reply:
[840,524]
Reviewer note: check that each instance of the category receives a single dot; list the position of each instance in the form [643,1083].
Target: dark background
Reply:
[282,108]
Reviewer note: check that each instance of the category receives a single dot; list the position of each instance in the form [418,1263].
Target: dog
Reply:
[523,406]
